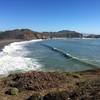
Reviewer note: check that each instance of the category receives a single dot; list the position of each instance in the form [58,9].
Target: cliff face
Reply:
[21,34]
[28,34]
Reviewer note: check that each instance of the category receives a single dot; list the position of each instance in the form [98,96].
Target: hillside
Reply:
[28,34]
[51,86]
[21,34]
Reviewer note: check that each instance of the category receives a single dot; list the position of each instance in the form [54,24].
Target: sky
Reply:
[51,15]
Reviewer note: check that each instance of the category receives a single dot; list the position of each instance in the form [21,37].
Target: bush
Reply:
[13,91]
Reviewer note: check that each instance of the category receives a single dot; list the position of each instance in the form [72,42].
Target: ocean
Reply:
[50,55]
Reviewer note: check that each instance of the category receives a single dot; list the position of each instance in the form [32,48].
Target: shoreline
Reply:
[5,42]
[49,84]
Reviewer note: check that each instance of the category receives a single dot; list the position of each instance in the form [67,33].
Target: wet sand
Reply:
[8,41]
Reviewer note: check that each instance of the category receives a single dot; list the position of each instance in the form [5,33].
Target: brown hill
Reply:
[28,34]
[21,34]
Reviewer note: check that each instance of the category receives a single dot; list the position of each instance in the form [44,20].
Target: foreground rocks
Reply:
[51,86]
[12,91]
[36,96]
[89,90]
[63,95]
[37,81]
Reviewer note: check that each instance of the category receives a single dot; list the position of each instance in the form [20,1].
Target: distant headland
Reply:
[27,34]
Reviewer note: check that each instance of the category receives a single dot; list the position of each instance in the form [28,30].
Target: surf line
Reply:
[68,56]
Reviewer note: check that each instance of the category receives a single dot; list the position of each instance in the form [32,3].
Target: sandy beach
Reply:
[8,41]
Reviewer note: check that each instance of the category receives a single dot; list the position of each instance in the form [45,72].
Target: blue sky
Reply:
[51,15]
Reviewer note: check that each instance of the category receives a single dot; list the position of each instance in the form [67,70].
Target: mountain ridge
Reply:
[28,34]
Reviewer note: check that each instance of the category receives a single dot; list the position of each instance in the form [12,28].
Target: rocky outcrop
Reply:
[33,85]
[38,81]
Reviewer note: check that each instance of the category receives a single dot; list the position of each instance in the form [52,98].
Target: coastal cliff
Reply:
[27,34]
[24,34]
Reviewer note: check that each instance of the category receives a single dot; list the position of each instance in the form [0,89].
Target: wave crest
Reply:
[14,58]
[69,56]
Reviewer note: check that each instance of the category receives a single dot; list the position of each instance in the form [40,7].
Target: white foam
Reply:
[13,58]
[17,46]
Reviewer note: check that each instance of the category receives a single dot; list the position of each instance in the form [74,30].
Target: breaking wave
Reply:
[69,56]
[13,58]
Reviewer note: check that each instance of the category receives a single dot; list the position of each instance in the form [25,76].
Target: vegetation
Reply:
[27,34]
[51,86]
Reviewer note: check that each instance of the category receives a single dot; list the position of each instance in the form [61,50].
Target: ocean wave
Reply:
[14,58]
[71,57]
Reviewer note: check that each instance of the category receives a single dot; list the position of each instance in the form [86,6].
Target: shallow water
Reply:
[49,55]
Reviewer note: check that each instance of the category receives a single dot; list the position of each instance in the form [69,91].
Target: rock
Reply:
[35,97]
[37,81]
[63,95]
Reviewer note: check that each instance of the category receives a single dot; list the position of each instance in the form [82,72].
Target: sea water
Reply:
[50,55]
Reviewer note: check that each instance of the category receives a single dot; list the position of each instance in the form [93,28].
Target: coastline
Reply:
[5,42]
[8,41]
[6,46]
[49,84]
